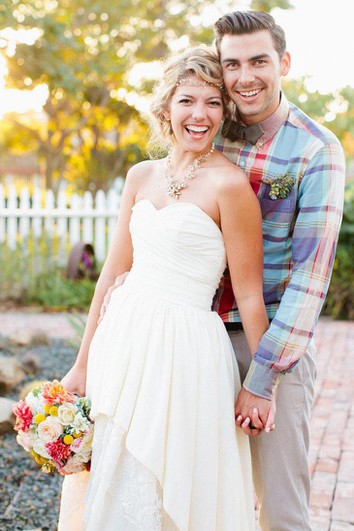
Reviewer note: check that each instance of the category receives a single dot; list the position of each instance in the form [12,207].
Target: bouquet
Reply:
[54,426]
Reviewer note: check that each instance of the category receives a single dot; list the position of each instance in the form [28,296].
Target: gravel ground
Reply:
[29,498]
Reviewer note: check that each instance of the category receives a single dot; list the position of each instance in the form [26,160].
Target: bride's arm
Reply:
[118,261]
[241,225]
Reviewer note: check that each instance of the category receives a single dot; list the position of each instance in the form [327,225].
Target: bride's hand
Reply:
[118,282]
[75,380]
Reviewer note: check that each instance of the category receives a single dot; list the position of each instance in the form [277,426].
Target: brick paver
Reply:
[331,456]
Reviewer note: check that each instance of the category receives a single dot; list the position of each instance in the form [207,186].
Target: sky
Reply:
[319,38]
[320,41]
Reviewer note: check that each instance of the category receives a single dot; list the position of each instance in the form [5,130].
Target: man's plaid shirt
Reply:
[300,233]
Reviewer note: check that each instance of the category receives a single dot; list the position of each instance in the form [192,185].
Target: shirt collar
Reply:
[272,124]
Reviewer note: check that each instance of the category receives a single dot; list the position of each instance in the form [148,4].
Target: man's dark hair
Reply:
[242,22]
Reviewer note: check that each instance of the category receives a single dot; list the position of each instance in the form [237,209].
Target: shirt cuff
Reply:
[261,380]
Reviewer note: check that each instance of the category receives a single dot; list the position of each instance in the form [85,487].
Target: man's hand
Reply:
[253,413]
[118,282]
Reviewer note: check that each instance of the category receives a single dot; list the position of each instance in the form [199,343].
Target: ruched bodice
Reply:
[179,253]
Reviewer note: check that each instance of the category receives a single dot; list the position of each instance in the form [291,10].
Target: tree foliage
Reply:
[268,5]
[84,53]
[333,110]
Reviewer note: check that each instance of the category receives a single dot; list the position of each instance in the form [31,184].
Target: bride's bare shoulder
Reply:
[143,168]
[229,175]
[141,172]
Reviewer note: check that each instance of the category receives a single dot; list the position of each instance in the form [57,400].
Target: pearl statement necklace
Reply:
[174,188]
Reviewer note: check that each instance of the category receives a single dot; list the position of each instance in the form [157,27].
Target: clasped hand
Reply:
[254,414]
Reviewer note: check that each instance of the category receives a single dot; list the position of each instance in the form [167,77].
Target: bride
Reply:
[159,367]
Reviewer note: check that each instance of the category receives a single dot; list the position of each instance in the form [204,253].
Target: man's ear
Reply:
[285,64]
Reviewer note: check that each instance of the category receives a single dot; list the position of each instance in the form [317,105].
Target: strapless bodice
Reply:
[179,253]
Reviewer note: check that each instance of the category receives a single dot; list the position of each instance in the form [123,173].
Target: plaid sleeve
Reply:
[320,207]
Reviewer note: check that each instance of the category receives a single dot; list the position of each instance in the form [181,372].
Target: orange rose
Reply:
[55,393]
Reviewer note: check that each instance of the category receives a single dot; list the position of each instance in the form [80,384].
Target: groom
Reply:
[296,168]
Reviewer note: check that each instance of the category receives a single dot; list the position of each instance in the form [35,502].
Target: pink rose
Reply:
[76,445]
[73,466]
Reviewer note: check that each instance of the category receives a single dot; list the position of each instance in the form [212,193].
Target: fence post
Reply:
[36,206]
[12,219]
[2,208]
[24,220]
[87,225]
[74,221]
[49,206]
[100,232]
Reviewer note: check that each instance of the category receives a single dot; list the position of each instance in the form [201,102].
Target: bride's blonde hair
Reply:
[201,62]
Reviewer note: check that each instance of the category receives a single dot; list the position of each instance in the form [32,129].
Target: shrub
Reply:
[31,275]
[340,299]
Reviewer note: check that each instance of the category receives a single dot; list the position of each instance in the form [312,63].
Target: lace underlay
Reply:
[136,490]
[136,493]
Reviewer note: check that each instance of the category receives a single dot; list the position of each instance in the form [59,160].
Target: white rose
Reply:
[49,430]
[66,413]
[82,447]
[86,447]
[82,456]
[25,440]
[35,403]
[80,423]
[39,448]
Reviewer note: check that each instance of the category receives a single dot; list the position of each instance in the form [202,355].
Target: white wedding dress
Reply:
[162,378]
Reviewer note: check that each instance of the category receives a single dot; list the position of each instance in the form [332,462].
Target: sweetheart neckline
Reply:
[179,204]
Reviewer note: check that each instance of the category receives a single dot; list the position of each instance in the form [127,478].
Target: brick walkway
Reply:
[332,437]
[332,429]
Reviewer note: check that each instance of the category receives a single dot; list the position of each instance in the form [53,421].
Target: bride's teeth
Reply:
[197,129]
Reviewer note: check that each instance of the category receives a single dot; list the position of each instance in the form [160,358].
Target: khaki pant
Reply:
[279,459]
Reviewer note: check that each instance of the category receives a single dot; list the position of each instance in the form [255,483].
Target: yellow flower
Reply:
[68,439]
[47,467]
[47,408]
[77,434]
[53,411]
[39,418]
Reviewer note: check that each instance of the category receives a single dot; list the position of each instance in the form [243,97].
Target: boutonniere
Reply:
[280,187]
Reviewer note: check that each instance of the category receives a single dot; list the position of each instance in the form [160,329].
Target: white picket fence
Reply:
[70,219]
